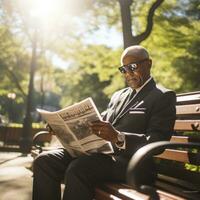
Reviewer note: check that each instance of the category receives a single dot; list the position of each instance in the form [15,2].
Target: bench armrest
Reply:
[36,138]
[147,152]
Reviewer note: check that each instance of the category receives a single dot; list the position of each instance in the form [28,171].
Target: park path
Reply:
[15,178]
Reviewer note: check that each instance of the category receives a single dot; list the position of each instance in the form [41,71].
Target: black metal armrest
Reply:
[36,138]
[145,153]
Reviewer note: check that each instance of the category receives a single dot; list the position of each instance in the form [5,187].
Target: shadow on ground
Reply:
[15,177]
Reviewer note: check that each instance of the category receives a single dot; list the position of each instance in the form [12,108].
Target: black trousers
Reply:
[80,175]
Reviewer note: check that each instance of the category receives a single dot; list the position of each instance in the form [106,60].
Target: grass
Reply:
[194,168]
[34,125]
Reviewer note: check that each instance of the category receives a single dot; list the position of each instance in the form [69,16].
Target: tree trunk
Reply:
[26,138]
[126,22]
[128,38]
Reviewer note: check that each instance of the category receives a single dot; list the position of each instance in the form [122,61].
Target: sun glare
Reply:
[45,13]
[49,14]
[43,9]
[46,10]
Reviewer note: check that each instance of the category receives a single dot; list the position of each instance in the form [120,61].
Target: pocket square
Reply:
[137,109]
[136,112]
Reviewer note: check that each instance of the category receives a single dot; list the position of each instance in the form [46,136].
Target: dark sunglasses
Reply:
[131,67]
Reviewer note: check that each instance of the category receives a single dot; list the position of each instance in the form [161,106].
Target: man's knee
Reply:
[40,161]
[78,168]
[88,168]
[79,184]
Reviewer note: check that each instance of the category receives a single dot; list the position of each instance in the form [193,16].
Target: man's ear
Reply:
[150,63]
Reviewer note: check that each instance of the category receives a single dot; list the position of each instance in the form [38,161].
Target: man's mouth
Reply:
[132,80]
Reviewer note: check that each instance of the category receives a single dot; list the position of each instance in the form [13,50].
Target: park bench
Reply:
[10,137]
[177,161]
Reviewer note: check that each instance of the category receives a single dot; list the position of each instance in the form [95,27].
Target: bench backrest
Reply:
[183,167]
[187,125]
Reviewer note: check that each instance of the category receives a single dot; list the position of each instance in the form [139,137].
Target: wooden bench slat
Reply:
[126,192]
[179,139]
[187,125]
[188,109]
[188,93]
[101,194]
[185,139]
[167,196]
[189,98]
[176,155]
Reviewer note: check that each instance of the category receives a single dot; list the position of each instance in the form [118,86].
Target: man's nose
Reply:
[129,73]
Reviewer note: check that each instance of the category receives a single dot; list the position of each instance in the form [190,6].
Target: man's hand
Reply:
[50,129]
[104,130]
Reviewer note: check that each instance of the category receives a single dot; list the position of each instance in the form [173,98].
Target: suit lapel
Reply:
[122,101]
[118,103]
[137,100]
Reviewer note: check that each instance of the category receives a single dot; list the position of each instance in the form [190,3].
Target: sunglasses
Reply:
[131,67]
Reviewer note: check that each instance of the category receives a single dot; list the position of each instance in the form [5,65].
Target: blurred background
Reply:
[57,52]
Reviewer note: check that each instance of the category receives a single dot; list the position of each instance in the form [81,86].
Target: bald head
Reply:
[136,66]
[135,51]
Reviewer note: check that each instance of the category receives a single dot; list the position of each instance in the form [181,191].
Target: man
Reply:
[137,115]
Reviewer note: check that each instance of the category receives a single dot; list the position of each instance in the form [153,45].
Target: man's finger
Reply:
[99,122]
[49,128]
[95,122]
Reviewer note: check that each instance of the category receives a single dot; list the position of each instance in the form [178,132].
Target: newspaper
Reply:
[71,126]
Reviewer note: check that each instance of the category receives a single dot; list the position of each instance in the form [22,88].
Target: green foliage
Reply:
[106,12]
[13,72]
[94,73]
[174,46]
[193,168]
[188,64]
[34,125]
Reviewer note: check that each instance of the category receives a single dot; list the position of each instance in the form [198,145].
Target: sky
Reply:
[109,37]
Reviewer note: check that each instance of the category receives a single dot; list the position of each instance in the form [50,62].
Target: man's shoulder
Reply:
[162,89]
[161,92]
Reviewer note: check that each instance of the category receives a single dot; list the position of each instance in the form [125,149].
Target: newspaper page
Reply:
[71,126]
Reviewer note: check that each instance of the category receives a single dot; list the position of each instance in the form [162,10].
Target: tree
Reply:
[128,36]
[27,14]
[173,43]
[187,64]
[13,71]
[91,73]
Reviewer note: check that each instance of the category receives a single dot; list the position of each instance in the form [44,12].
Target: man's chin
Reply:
[133,85]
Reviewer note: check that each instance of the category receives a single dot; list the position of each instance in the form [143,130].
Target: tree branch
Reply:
[14,78]
[149,27]
[128,37]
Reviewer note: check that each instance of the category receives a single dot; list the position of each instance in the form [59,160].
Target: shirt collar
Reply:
[138,89]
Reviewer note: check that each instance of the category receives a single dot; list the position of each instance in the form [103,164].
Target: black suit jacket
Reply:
[150,116]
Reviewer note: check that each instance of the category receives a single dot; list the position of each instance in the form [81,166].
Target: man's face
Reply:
[137,73]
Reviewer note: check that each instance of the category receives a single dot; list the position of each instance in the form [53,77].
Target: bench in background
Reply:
[10,137]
